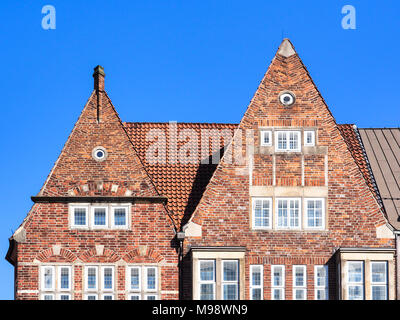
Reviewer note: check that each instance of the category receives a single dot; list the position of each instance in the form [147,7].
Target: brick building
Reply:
[150,211]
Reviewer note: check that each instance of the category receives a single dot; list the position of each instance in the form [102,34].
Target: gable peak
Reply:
[286,48]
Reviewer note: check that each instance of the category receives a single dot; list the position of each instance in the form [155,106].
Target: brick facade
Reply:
[214,200]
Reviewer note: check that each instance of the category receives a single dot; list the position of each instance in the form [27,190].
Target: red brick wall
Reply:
[352,214]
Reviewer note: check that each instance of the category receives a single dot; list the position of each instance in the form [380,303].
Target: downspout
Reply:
[397,259]
[180,236]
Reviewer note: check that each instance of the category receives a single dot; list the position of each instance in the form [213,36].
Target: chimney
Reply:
[98,76]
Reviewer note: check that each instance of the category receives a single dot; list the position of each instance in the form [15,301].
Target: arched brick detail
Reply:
[107,256]
[137,255]
[47,254]
[101,188]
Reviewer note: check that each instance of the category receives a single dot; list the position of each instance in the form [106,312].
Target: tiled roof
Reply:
[351,136]
[382,147]
[184,184]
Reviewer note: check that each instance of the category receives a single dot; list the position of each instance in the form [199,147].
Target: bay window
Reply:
[355,280]
[379,285]
[230,279]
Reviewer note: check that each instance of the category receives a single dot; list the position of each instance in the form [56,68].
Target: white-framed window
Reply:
[230,280]
[314,213]
[79,216]
[206,279]
[287,141]
[278,282]
[119,218]
[379,283]
[91,296]
[256,282]
[107,297]
[266,138]
[55,282]
[134,296]
[262,213]
[107,278]
[299,282]
[91,278]
[99,217]
[309,138]
[288,213]
[47,296]
[355,280]
[321,282]
[64,276]
[142,282]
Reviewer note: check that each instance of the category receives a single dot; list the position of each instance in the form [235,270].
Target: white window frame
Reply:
[63,294]
[72,208]
[146,268]
[312,143]
[317,287]
[260,286]
[91,294]
[288,227]
[113,225]
[87,279]
[281,287]
[128,278]
[69,278]
[287,137]
[380,284]
[102,279]
[92,218]
[53,278]
[361,284]
[264,133]
[230,282]
[295,286]
[306,226]
[42,297]
[269,200]
[213,281]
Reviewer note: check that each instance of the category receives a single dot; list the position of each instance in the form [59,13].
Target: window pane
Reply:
[355,272]
[230,270]
[355,293]
[277,294]
[282,213]
[100,216]
[379,292]
[92,297]
[321,277]
[300,294]
[120,217]
[80,216]
[278,275]
[206,291]
[294,213]
[321,294]
[64,281]
[256,276]
[64,297]
[92,278]
[206,270]
[48,297]
[256,294]
[151,278]
[282,140]
[151,297]
[378,272]
[294,140]
[48,278]
[108,278]
[135,278]
[299,277]
[230,291]
[135,297]
[261,213]
[108,297]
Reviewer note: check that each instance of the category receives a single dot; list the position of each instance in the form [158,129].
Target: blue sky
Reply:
[189,61]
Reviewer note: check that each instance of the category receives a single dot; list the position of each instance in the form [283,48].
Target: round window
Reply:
[99,154]
[286,98]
